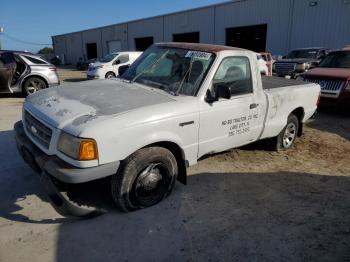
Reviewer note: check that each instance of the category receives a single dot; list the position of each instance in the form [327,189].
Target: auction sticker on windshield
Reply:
[198,55]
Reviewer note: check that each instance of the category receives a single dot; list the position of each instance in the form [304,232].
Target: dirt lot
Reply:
[249,204]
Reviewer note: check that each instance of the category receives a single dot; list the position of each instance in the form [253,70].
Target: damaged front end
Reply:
[55,190]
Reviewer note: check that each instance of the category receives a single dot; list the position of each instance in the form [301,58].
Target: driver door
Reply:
[7,71]
[233,122]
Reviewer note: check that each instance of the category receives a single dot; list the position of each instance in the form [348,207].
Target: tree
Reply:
[45,51]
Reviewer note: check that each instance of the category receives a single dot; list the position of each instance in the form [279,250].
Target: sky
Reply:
[35,21]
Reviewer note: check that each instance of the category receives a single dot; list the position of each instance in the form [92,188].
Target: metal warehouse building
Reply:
[273,25]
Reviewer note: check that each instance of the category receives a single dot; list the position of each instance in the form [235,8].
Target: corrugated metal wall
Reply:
[114,33]
[326,24]
[201,21]
[290,24]
[274,13]
[144,28]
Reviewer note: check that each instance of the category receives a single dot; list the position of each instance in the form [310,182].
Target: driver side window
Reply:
[235,73]
[122,59]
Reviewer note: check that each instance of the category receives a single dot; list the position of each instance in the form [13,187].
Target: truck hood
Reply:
[330,73]
[90,101]
[297,60]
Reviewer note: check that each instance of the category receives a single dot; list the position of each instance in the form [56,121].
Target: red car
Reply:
[333,75]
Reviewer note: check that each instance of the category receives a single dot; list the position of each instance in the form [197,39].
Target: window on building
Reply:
[186,37]
[248,37]
[142,43]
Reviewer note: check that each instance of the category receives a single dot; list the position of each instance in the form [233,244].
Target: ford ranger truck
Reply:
[175,104]
[299,61]
[333,75]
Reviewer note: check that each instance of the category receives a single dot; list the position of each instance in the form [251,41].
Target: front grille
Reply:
[38,131]
[285,68]
[329,87]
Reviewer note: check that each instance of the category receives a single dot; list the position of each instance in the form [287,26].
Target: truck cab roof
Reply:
[200,47]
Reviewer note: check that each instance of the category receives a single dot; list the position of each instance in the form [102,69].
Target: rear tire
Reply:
[287,137]
[110,75]
[144,179]
[32,85]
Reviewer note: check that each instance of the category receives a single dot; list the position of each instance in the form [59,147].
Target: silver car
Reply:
[25,72]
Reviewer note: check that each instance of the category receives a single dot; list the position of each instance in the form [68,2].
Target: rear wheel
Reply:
[144,179]
[32,85]
[110,75]
[286,138]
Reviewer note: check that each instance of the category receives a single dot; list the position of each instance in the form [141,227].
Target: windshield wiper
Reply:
[177,92]
[149,68]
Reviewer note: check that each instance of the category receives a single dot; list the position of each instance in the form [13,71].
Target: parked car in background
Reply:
[108,66]
[269,61]
[299,61]
[174,105]
[333,75]
[84,65]
[25,72]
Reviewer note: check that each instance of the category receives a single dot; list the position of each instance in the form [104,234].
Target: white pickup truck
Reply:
[175,104]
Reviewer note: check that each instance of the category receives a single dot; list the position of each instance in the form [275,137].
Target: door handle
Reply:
[254,105]
[186,123]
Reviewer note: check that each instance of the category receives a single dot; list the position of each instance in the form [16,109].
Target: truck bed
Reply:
[276,82]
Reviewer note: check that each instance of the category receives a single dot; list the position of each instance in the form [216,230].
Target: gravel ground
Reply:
[248,204]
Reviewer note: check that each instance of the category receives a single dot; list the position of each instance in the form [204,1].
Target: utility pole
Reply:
[1,31]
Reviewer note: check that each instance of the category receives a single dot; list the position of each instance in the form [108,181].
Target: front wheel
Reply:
[144,179]
[32,85]
[110,75]
[287,137]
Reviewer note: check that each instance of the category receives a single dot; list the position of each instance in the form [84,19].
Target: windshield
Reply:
[339,59]
[303,53]
[108,58]
[174,70]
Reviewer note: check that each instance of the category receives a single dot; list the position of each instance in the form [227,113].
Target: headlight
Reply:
[81,149]
[300,67]
[98,67]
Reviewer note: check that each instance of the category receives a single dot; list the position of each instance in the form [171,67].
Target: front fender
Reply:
[118,145]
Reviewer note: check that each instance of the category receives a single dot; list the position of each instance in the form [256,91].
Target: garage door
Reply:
[114,46]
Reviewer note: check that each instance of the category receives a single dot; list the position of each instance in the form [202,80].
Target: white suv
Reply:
[107,67]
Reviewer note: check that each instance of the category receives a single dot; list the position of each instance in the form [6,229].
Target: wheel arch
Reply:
[36,75]
[299,113]
[179,154]
[111,73]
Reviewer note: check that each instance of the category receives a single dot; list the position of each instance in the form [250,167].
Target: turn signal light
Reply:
[88,150]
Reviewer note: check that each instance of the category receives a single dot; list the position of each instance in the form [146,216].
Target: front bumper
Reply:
[52,170]
[92,74]
[342,102]
[56,167]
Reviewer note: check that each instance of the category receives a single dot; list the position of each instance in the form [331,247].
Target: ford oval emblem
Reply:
[33,129]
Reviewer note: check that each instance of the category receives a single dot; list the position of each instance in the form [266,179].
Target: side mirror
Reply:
[220,91]
[284,57]
[123,69]
[116,62]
